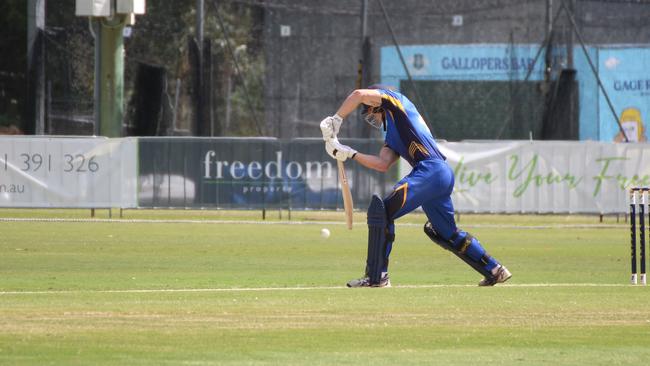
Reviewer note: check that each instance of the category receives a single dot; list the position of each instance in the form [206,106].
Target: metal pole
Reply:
[199,23]
[48,110]
[199,127]
[570,38]
[364,20]
[35,21]
[549,16]
[175,117]
[109,76]
[36,65]
[362,67]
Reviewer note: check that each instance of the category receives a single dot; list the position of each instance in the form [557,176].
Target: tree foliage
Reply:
[13,62]
[159,37]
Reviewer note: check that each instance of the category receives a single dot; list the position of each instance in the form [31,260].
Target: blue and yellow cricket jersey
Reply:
[406,132]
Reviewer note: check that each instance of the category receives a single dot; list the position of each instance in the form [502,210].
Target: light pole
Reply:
[108,19]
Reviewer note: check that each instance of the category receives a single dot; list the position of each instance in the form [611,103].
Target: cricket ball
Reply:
[324,233]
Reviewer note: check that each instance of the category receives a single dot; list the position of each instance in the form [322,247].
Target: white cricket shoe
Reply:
[501,275]
[365,282]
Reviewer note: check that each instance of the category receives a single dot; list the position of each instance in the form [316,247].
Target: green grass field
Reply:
[204,292]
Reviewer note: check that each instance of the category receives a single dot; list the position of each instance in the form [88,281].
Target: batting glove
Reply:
[330,126]
[339,151]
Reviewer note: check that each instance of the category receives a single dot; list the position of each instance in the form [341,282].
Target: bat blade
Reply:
[347,195]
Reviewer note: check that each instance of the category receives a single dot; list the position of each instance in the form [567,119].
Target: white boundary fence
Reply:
[491,176]
[545,176]
[68,172]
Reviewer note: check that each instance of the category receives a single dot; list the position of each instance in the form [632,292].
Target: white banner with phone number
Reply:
[545,176]
[499,176]
[68,172]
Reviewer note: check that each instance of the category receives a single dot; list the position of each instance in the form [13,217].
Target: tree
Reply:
[13,63]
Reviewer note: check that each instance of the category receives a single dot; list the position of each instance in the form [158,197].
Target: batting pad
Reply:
[459,251]
[377,224]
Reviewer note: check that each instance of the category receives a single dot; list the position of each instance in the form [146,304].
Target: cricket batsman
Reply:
[429,184]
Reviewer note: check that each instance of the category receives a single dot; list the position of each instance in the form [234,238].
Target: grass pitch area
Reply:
[209,292]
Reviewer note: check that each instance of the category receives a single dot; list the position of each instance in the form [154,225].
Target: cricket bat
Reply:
[347,195]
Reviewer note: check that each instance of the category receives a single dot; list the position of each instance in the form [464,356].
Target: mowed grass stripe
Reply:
[257,222]
[316,288]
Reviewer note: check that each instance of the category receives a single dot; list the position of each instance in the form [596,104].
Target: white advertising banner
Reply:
[68,172]
[545,176]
